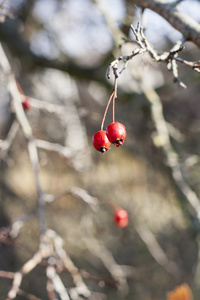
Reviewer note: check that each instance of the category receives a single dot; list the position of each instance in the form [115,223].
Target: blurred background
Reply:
[60,52]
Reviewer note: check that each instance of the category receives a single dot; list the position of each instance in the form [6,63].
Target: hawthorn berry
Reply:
[100,141]
[26,104]
[116,133]
[121,218]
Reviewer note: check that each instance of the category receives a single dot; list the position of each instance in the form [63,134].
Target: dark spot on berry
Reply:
[102,149]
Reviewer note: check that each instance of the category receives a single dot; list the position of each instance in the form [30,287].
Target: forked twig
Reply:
[170,58]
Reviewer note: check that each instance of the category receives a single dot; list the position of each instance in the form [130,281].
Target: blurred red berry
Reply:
[100,141]
[26,104]
[116,133]
[121,218]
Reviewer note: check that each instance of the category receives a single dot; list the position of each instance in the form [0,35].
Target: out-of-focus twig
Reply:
[111,23]
[62,150]
[117,272]
[156,251]
[43,252]
[18,224]
[55,284]
[51,247]
[7,142]
[69,265]
[27,131]
[163,140]
[86,197]
[6,274]
[27,295]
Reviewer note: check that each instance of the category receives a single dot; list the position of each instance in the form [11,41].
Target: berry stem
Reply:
[104,116]
[113,96]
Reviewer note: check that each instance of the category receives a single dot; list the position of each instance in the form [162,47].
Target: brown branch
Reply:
[27,295]
[6,274]
[183,23]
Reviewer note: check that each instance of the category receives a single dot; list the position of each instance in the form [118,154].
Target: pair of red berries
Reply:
[115,134]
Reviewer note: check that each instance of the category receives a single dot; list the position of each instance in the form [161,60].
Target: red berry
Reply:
[26,104]
[121,218]
[100,141]
[116,133]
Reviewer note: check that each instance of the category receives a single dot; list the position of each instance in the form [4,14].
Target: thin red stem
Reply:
[104,116]
[113,96]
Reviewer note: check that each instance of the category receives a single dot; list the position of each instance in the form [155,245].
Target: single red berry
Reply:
[100,141]
[26,104]
[116,133]
[121,218]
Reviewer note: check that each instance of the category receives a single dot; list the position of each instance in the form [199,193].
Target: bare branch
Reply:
[162,140]
[27,131]
[170,58]
[62,150]
[83,194]
[43,252]
[183,23]
[117,272]
[69,265]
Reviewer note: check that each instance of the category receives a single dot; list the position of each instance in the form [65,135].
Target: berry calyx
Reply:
[116,133]
[121,218]
[26,104]
[100,141]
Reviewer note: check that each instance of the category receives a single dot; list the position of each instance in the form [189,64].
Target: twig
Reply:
[43,252]
[180,21]
[170,58]
[83,194]
[62,150]
[50,289]
[27,295]
[69,265]
[117,272]
[56,284]
[157,114]
[125,59]
[156,251]
[170,154]
[27,131]
[17,225]
[7,143]
[6,274]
